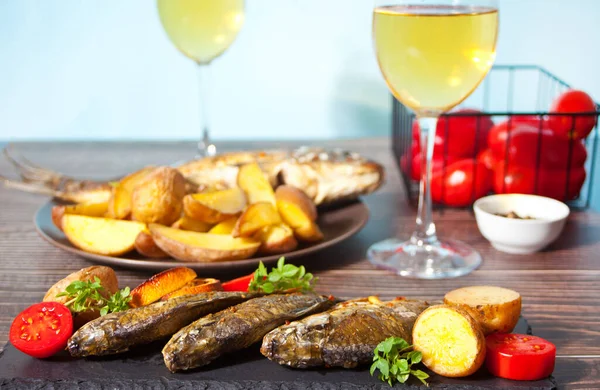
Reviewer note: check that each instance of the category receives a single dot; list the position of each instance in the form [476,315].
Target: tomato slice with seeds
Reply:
[42,329]
[519,356]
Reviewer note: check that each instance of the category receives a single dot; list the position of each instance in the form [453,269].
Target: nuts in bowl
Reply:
[519,223]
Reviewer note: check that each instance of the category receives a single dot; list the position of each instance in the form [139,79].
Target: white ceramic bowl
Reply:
[520,236]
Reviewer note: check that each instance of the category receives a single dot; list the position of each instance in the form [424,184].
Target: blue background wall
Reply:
[97,69]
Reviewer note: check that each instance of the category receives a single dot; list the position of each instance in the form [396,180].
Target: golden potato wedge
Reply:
[103,236]
[216,206]
[186,223]
[97,195]
[299,212]
[450,340]
[202,247]
[254,218]
[159,197]
[309,233]
[224,227]
[496,309]
[89,209]
[119,205]
[196,286]
[145,245]
[160,285]
[276,239]
[255,184]
[108,280]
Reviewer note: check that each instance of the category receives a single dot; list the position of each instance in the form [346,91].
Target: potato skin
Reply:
[57,215]
[285,193]
[159,197]
[108,280]
[145,245]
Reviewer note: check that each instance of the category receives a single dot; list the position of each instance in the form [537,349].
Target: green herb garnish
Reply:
[394,358]
[283,278]
[85,295]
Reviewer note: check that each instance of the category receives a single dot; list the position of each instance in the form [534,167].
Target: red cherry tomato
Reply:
[42,329]
[549,182]
[487,158]
[437,164]
[239,284]
[519,357]
[463,182]
[407,157]
[573,101]
[528,142]
[464,135]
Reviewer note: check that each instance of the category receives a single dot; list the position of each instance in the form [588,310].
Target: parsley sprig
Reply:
[394,359]
[86,295]
[283,278]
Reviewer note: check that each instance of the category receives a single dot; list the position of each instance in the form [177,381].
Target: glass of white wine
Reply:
[432,54]
[202,30]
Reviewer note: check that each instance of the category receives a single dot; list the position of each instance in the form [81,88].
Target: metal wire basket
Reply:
[508,92]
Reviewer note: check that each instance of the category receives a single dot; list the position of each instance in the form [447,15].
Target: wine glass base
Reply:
[443,259]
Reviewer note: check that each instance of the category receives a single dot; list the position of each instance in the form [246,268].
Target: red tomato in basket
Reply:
[519,356]
[487,158]
[407,157]
[42,329]
[525,141]
[550,182]
[463,182]
[573,101]
[464,135]
[437,165]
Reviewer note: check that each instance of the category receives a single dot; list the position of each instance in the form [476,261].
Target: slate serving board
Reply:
[144,369]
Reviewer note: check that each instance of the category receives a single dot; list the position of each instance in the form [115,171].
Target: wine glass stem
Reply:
[425,231]
[205,146]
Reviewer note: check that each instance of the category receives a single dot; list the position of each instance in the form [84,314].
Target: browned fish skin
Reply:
[117,332]
[236,328]
[344,336]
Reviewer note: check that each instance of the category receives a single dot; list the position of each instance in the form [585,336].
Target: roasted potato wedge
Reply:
[89,209]
[496,309]
[202,247]
[299,212]
[159,197]
[450,340]
[224,227]
[276,239]
[103,236]
[108,280]
[145,245]
[160,285]
[254,218]
[119,205]
[216,206]
[253,181]
[186,223]
[196,286]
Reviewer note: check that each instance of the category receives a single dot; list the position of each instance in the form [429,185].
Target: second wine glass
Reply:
[202,30]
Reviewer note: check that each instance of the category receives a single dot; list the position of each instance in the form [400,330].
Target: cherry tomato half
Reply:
[42,329]
[239,284]
[519,357]
[464,182]
[573,101]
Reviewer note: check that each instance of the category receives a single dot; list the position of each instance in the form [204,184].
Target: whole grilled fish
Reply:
[344,336]
[116,332]
[326,176]
[236,328]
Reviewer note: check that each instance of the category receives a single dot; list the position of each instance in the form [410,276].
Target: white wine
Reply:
[433,57]
[202,29]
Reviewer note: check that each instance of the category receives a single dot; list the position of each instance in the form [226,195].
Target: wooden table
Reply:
[560,286]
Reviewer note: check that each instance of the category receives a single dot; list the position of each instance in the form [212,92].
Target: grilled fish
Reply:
[236,328]
[344,336]
[326,176]
[117,332]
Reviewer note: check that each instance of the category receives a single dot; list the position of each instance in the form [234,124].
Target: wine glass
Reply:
[432,54]
[202,30]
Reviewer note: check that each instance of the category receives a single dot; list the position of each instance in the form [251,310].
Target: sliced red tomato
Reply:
[239,284]
[577,127]
[42,329]
[437,165]
[459,136]
[463,182]
[519,357]
[527,143]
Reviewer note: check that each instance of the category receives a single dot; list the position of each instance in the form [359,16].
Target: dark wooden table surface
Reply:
[560,286]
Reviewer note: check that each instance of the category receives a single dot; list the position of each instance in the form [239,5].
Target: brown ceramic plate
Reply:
[337,224]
